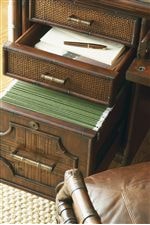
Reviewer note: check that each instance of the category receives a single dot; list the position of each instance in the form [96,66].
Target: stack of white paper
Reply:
[53,41]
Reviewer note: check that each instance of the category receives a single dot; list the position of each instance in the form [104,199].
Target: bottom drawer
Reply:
[36,149]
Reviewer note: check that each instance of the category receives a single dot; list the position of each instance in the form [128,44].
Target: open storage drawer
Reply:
[37,148]
[96,83]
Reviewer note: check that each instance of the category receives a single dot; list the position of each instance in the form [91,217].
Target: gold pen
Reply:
[85,45]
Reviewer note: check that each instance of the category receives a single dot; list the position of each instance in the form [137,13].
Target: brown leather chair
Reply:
[120,195]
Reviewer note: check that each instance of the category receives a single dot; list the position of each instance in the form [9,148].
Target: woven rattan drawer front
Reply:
[26,67]
[90,20]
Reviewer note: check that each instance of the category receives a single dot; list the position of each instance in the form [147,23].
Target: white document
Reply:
[53,41]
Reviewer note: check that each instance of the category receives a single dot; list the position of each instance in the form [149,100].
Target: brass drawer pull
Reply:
[78,20]
[7,131]
[32,162]
[54,79]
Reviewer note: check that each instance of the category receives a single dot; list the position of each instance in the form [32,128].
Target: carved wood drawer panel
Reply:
[38,153]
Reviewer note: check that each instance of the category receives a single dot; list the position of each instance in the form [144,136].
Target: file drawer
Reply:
[36,149]
[86,18]
[96,83]
[37,154]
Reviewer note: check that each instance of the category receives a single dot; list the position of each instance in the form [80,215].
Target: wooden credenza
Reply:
[36,149]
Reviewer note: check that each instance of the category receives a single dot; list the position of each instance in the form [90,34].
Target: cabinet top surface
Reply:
[139,72]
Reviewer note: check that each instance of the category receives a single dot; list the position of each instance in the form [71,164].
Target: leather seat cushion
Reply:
[122,195]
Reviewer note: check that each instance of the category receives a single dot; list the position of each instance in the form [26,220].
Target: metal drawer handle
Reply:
[54,79]
[7,131]
[78,20]
[32,162]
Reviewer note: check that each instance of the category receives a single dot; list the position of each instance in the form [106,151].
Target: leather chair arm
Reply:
[73,192]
